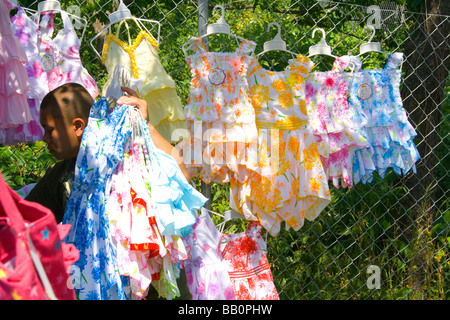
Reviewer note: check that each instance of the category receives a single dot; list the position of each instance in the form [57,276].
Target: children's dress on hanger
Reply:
[149,79]
[26,30]
[378,106]
[331,122]
[222,141]
[14,109]
[249,270]
[132,224]
[293,183]
[60,56]
[206,272]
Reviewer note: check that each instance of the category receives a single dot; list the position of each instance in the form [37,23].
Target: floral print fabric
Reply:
[222,141]
[248,268]
[50,63]
[129,207]
[206,272]
[100,152]
[60,56]
[292,185]
[331,122]
[378,110]
[14,109]
[25,30]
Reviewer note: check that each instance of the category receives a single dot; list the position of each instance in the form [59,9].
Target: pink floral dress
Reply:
[248,267]
[60,56]
[331,122]
[25,29]
[220,120]
[14,83]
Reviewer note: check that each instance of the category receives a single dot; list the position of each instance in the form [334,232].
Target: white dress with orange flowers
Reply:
[220,120]
[293,184]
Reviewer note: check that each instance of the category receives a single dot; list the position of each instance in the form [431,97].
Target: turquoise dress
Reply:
[172,194]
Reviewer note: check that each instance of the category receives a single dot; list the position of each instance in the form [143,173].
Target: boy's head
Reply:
[64,114]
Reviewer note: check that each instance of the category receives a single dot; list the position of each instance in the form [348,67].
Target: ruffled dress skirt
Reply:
[14,109]
[150,209]
[382,120]
[331,122]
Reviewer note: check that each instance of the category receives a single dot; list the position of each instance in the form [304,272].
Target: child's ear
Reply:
[79,124]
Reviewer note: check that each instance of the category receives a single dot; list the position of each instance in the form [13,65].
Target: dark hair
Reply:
[69,101]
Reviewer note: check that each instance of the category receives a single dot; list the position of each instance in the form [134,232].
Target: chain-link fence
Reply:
[388,239]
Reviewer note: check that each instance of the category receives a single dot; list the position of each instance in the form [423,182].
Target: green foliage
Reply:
[24,163]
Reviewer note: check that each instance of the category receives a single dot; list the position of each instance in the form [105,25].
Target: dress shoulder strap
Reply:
[344,62]
[394,61]
[246,47]
[196,44]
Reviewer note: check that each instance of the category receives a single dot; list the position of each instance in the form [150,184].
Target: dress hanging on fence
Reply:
[26,30]
[222,141]
[293,184]
[149,79]
[60,56]
[51,63]
[206,272]
[379,113]
[245,256]
[331,122]
[14,109]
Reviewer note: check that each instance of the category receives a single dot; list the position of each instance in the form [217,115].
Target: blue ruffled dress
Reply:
[382,120]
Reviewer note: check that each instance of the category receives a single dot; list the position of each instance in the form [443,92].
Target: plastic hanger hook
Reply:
[277,43]
[322,46]
[370,46]
[221,26]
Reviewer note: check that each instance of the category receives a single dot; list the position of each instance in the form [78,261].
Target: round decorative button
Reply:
[47,62]
[216,76]
[365,91]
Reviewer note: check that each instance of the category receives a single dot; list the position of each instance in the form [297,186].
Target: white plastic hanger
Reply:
[322,47]
[55,5]
[219,27]
[277,43]
[226,216]
[121,15]
[371,46]
[49,5]
[29,11]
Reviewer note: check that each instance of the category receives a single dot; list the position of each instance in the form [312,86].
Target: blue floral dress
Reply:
[378,110]
[100,152]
